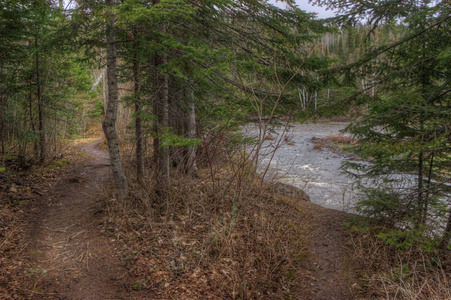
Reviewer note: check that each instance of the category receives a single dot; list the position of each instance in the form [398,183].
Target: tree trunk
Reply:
[315,97]
[428,187]
[2,140]
[30,107]
[161,110]
[421,204]
[2,126]
[109,123]
[447,233]
[138,122]
[42,145]
[192,166]
[421,197]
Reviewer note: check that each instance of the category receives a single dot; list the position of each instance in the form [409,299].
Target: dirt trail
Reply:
[69,255]
[330,267]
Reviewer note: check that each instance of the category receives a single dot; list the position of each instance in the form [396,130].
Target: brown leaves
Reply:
[11,245]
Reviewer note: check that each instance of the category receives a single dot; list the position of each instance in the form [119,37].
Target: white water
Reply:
[295,162]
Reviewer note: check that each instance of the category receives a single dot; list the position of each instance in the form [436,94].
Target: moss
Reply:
[59,163]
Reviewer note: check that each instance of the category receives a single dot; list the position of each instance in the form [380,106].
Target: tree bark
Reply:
[33,128]
[421,200]
[428,188]
[138,122]
[42,145]
[2,126]
[161,110]
[447,233]
[421,197]
[109,123]
[192,166]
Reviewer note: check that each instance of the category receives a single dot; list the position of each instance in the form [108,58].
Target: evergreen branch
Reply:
[383,49]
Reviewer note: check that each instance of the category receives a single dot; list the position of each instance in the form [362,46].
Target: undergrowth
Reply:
[396,265]
[221,234]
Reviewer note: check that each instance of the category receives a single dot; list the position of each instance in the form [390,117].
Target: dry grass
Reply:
[288,139]
[391,273]
[340,139]
[269,138]
[317,146]
[333,142]
[220,235]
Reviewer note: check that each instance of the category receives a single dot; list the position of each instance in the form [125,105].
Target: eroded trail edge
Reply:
[70,258]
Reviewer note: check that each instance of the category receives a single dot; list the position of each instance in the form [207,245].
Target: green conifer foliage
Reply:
[42,80]
[405,132]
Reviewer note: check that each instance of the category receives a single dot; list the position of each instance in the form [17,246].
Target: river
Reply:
[295,162]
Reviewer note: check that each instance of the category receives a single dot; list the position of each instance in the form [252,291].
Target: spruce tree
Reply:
[405,132]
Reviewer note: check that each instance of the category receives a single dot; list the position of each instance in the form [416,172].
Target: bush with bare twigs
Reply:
[220,234]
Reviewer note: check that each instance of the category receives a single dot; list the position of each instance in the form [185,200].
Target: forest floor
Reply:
[60,249]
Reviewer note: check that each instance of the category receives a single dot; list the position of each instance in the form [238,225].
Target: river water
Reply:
[287,155]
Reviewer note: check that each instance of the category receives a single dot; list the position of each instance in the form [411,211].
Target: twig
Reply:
[74,236]
[64,230]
